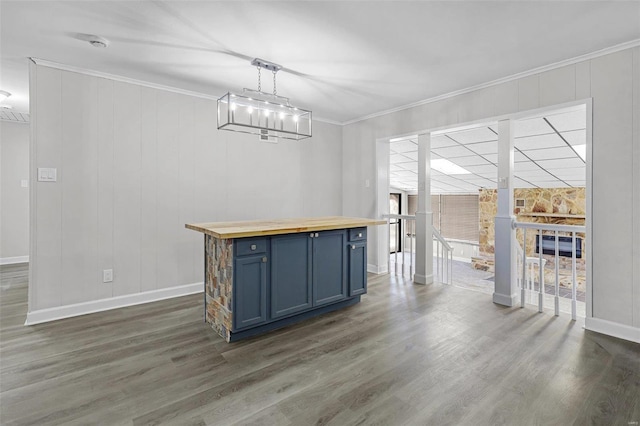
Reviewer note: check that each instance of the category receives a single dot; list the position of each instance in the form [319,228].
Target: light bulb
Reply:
[233,106]
[282,116]
[250,110]
[295,118]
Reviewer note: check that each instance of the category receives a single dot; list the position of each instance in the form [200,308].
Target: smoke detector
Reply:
[97,41]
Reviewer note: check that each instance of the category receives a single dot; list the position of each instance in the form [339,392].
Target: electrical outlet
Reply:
[107,275]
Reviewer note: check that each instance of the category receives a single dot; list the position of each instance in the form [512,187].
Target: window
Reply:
[459,217]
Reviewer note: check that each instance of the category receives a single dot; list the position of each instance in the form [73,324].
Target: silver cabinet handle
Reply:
[264,259]
[359,234]
[253,247]
[317,235]
[311,235]
[353,247]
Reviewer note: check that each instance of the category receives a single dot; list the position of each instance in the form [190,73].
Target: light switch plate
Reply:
[47,174]
[503,183]
[107,275]
[24,183]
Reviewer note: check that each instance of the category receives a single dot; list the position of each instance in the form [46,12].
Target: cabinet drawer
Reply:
[251,246]
[357,234]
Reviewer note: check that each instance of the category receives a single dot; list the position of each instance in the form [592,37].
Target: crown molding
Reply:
[606,51]
[122,79]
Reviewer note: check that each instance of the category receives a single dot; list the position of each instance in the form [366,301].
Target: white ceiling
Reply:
[343,60]
[546,156]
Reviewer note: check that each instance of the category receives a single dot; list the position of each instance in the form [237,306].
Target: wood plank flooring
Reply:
[406,355]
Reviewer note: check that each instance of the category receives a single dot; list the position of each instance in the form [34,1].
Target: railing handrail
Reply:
[551,227]
[441,239]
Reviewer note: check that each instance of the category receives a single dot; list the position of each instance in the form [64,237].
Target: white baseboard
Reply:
[506,300]
[422,279]
[375,269]
[12,260]
[614,329]
[77,309]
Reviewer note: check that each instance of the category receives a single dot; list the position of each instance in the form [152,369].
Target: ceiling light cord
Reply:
[275,91]
[259,79]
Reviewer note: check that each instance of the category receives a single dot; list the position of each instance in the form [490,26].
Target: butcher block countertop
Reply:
[256,228]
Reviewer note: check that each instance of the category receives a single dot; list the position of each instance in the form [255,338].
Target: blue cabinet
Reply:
[281,279]
[329,267]
[250,290]
[291,280]
[357,268]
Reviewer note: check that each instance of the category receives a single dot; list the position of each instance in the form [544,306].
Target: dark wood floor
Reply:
[415,355]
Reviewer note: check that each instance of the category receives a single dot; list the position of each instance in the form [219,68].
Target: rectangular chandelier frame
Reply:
[267,115]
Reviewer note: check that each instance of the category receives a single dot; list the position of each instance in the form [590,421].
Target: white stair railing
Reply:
[444,258]
[526,263]
[443,251]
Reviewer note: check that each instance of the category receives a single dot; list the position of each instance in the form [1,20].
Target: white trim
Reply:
[614,329]
[123,79]
[423,279]
[623,46]
[60,312]
[13,260]
[375,269]
[506,300]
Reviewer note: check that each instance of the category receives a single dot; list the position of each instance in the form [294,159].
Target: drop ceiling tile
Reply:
[479,134]
[577,183]
[519,157]
[489,175]
[576,137]
[406,174]
[403,146]
[441,141]
[471,160]
[550,153]
[519,183]
[485,168]
[525,165]
[413,166]
[434,156]
[577,173]
[412,155]
[555,184]
[574,120]
[534,174]
[452,151]
[491,157]
[532,126]
[394,168]
[399,158]
[484,147]
[540,141]
[561,163]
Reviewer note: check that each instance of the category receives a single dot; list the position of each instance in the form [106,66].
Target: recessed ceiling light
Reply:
[97,41]
[448,168]
[581,150]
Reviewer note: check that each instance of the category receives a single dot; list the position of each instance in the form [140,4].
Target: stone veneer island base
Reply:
[264,275]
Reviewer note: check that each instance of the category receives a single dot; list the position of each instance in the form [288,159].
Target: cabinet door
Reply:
[357,268]
[250,304]
[329,267]
[291,290]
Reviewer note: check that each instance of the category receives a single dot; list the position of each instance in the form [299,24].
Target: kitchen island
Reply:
[264,275]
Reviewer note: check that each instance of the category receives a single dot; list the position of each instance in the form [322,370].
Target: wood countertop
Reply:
[256,228]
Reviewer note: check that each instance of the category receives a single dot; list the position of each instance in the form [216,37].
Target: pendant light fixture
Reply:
[267,115]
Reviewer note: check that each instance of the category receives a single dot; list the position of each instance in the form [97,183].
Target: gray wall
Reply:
[134,165]
[14,199]
[613,82]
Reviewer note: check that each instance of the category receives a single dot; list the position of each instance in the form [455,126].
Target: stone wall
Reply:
[566,206]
